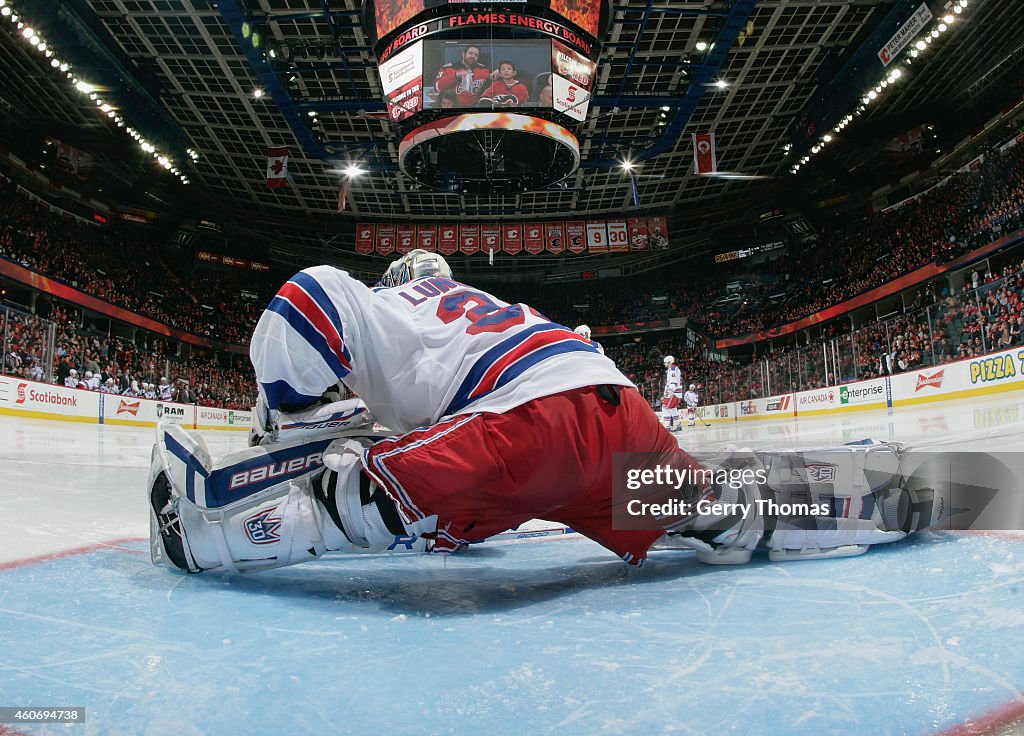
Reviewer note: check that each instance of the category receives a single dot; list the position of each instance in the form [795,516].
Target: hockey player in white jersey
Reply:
[691,401]
[584,332]
[673,394]
[501,416]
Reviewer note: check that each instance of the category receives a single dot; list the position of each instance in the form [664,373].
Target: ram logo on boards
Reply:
[177,412]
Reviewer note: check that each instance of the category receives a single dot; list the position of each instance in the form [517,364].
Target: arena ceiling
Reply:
[789,69]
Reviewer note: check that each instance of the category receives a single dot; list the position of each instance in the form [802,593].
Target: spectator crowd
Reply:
[970,209]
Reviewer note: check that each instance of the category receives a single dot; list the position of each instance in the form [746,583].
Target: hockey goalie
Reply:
[495,416]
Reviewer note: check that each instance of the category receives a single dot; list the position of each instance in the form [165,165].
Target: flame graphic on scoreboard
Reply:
[489,121]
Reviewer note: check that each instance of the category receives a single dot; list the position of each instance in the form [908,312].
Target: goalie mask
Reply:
[414,265]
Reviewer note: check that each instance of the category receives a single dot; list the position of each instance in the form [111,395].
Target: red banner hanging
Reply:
[657,232]
[469,238]
[364,238]
[533,238]
[385,239]
[554,236]
[513,237]
[448,240]
[426,237]
[490,238]
[406,238]
[637,233]
[575,236]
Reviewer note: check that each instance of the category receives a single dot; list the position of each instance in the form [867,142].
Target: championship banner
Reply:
[406,238]
[637,233]
[385,239]
[657,232]
[533,238]
[448,240]
[597,237]
[364,238]
[490,238]
[554,235]
[576,237]
[426,237]
[618,235]
[469,239]
[513,238]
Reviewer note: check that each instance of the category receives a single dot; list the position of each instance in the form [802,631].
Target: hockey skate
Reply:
[809,504]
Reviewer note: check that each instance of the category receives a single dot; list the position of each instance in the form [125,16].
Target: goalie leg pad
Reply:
[206,518]
[816,503]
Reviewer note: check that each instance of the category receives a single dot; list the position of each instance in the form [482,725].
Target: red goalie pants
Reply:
[550,458]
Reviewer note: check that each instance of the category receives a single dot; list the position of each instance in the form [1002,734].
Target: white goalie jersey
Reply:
[470,351]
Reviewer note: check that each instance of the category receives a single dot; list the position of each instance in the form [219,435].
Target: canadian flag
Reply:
[277,167]
[704,153]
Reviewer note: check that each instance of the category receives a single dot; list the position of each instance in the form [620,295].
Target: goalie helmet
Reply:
[693,387]
[583,331]
[415,265]
[669,360]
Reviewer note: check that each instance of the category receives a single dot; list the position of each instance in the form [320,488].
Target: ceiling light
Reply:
[627,165]
[872,95]
[721,84]
[257,93]
[5,10]
[948,19]
[920,45]
[942,27]
[701,46]
[827,138]
[957,9]
[354,170]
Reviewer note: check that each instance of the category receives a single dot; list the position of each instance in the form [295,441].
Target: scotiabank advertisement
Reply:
[41,400]
[28,396]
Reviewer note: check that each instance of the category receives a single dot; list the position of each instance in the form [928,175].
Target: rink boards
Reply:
[990,374]
[25,398]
